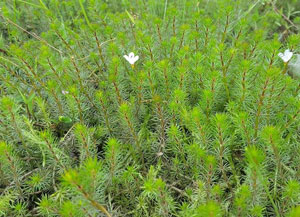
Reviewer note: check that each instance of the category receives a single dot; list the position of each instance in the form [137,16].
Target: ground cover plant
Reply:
[149,108]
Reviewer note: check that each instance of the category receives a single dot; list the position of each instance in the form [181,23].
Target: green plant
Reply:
[204,122]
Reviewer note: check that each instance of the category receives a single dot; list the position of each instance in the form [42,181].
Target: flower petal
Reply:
[286,52]
[136,58]
[289,56]
[131,55]
[127,58]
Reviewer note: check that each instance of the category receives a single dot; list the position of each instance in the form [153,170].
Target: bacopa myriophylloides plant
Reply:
[204,124]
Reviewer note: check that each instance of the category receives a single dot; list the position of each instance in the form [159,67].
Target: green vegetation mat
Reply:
[156,108]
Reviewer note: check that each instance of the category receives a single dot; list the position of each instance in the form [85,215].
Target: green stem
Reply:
[84,14]
[271,199]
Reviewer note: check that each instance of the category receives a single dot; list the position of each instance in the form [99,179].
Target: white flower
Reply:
[131,58]
[286,56]
[64,92]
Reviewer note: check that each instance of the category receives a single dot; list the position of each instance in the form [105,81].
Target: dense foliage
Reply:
[204,123]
